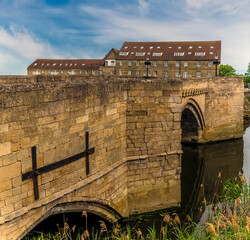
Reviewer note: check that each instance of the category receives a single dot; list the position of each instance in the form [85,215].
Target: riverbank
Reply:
[227,217]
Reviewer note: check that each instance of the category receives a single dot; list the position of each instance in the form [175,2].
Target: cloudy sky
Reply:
[31,29]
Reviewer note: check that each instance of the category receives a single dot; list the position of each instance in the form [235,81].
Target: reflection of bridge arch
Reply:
[192,121]
[104,211]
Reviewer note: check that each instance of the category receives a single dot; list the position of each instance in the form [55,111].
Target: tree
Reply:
[247,75]
[227,70]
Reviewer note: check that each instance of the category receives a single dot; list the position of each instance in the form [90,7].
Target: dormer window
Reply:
[35,64]
[151,47]
[170,47]
[200,54]
[157,54]
[158,47]
[179,54]
[54,64]
[199,46]
[211,46]
[126,47]
[123,53]
[190,47]
[140,53]
[179,47]
[142,47]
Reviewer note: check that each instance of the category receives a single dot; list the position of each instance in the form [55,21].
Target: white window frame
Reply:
[121,62]
[209,74]
[138,63]
[165,63]
[177,63]
[185,64]
[155,73]
[121,72]
[137,72]
[130,63]
[185,74]
[198,63]
[129,72]
[177,74]
[198,74]
[166,74]
[155,63]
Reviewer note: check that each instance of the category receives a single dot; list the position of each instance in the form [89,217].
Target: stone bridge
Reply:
[108,146]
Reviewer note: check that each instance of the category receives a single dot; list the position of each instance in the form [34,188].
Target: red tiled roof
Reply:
[62,64]
[194,50]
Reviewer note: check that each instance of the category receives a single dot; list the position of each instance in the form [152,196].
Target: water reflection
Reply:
[202,163]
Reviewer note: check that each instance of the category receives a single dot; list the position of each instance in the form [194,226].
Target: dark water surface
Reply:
[201,165]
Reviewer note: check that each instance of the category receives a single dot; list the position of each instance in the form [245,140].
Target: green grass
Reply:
[228,218]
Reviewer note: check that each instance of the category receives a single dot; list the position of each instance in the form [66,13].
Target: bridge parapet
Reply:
[133,124]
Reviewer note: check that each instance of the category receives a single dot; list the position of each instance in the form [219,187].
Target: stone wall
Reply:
[224,109]
[134,126]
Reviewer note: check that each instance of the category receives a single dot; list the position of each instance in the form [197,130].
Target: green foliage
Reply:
[247,75]
[227,70]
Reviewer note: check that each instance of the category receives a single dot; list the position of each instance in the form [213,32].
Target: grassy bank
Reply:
[226,217]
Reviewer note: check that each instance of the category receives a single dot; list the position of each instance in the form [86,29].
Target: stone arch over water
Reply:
[192,121]
[96,208]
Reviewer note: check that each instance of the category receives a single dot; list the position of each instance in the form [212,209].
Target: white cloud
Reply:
[119,27]
[143,5]
[20,42]
[210,7]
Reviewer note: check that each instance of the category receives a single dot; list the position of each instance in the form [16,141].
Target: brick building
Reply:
[168,59]
[165,59]
[66,67]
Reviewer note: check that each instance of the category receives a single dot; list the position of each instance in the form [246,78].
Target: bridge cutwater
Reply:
[109,146]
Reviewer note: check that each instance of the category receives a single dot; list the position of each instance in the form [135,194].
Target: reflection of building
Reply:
[167,59]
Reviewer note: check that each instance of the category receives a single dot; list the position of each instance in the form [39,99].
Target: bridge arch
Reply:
[192,121]
[99,209]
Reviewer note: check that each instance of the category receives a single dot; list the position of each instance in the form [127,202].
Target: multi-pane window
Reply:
[154,63]
[154,73]
[49,72]
[120,72]
[165,74]
[185,63]
[112,63]
[61,71]
[209,74]
[137,73]
[177,63]
[137,63]
[130,63]
[129,72]
[121,63]
[210,63]
[165,63]
[185,74]
[199,64]
[198,74]
[177,74]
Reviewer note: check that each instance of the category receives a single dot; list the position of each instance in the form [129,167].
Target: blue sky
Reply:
[31,29]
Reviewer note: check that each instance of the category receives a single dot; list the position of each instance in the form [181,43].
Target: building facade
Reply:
[168,59]
[141,59]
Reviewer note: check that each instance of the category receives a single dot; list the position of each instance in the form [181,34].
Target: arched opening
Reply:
[192,122]
[189,126]
[70,223]
[72,212]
